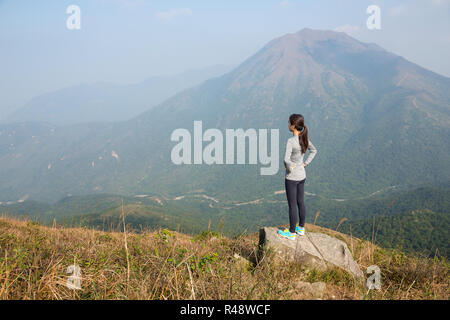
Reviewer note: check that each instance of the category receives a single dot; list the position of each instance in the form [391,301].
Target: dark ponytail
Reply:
[299,123]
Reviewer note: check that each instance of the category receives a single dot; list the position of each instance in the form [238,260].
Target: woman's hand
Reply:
[295,166]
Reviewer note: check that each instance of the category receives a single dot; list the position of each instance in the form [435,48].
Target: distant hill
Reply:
[108,101]
[420,231]
[377,120]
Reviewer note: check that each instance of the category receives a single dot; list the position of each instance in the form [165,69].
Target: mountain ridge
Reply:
[369,131]
[107,101]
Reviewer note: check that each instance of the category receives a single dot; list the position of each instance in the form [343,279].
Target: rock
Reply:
[313,290]
[241,262]
[305,290]
[315,250]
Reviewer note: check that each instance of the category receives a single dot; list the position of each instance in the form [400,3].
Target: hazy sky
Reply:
[126,41]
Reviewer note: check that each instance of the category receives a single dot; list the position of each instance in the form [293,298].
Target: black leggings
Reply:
[295,196]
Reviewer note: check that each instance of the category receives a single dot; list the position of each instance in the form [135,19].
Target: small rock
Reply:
[241,261]
[314,290]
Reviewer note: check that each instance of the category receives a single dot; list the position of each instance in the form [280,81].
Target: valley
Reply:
[389,209]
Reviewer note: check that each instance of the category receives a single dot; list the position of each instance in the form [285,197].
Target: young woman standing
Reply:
[296,175]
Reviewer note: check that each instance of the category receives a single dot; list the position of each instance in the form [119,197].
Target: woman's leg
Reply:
[301,202]
[291,194]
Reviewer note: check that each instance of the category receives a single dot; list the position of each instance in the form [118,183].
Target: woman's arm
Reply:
[287,156]
[312,153]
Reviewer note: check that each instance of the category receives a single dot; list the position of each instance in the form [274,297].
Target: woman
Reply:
[296,175]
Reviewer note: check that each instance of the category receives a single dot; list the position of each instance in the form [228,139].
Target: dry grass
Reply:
[402,276]
[169,265]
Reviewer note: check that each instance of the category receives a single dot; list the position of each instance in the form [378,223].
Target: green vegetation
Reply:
[414,221]
[421,231]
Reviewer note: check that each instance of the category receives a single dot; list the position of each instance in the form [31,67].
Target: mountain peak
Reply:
[315,33]
[310,38]
[301,59]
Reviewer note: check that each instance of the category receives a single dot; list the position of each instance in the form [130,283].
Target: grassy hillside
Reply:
[415,220]
[165,264]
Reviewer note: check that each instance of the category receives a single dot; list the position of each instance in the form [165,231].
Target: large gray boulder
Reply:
[315,250]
